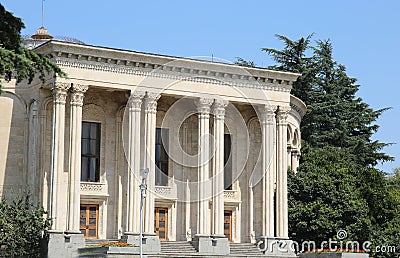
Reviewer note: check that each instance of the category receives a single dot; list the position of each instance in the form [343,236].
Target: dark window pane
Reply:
[93,147]
[85,130]
[162,234]
[90,152]
[85,169]
[85,145]
[93,131]
[92,232]
[161,156]
[158,152]
[92,221]
[227,162]
[83,222]
[92,169]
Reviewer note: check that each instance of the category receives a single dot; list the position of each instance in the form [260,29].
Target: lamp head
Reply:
[145,173]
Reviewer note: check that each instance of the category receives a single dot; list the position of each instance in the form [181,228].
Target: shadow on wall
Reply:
[13,145]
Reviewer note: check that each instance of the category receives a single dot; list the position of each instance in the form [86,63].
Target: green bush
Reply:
[23,227]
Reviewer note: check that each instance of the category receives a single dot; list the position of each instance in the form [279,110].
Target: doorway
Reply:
[161,223]
[228,225]
[89,216]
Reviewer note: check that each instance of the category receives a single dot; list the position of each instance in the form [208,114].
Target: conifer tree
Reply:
[15,60]
[335,116]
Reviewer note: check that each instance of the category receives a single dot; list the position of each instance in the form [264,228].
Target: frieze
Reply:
[184,74]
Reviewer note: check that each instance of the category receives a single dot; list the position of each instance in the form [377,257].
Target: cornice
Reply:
[298,105]
[174,68]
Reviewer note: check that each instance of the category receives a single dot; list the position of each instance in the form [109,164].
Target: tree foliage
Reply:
[241,62]
[22,227]
[336,186]
[15,60]
[335,115]
[324,198]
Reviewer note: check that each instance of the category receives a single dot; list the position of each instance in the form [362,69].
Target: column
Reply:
[150,111]
[218,175]
[281,180]
[268,168]
[76,103]
[134,108]
[59,91]
[295,159]
[203,109]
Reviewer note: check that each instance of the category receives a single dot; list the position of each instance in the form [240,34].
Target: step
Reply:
[92,242]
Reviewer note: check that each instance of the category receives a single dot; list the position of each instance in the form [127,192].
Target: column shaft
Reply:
[59,91]
[76,103]
[218,175]
[281,188]
[134,177]
[203,221]
[268,155]
[150,102]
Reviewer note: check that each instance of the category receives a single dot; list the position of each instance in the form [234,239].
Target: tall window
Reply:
[162,156]
[90,152]
[227,162]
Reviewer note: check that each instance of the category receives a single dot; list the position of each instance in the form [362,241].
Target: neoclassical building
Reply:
[216,138]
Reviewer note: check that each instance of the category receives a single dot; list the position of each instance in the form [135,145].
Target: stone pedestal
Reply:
[211,245]
[276,247]
[151,242]
[64,244]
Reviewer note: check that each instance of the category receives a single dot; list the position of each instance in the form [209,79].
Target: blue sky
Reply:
[365,36]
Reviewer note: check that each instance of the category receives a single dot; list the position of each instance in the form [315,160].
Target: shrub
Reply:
[23,227]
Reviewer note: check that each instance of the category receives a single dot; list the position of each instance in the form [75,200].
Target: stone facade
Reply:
[130,94]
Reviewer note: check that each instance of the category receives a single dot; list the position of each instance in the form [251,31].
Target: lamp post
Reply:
[143,188]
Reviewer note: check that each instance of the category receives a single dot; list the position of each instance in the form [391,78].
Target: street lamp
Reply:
[142,187]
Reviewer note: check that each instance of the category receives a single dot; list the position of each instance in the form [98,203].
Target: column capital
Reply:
[135,100]
[219,108]
[267,113]
[77,94]
[81,88]
[150,102]
[59,90]
[282,114]
[203,105]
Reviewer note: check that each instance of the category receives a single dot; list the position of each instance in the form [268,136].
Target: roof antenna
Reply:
[212,57]
[42,13]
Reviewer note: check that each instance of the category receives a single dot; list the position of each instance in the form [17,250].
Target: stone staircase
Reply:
[244,250]
[172,248]
[184,249]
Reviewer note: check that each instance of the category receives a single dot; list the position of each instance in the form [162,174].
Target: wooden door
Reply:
[89,220]
[161,223]
[228,225]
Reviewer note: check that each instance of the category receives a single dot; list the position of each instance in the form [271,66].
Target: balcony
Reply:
[232,196]
[167,192]
[94,189]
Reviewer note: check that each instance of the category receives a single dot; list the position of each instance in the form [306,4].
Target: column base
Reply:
[211,245]
[150,242]
[276,247]
[64,244]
